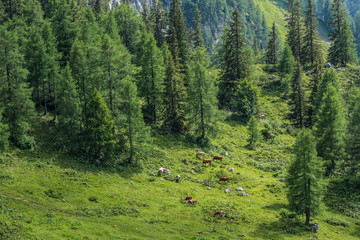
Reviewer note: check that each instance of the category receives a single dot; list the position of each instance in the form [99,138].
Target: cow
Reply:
[218,158]
[178,178]
[224,179]
[192,201]
[188,197]
[206,161]
[200,154]
[161,171]
[219,213]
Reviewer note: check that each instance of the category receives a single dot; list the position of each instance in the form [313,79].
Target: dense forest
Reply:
[101,82]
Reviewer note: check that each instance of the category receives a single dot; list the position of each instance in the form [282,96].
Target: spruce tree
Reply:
[151,77]
[233,61]
[4,134]
[295,28]
[98,138]
[254,132]
[246,98]
[329,129]
[202,103]
[197,37]
[304,178]
[287,62]
[341,51]
[132,119]
[174,97]
[158,18]
[311,41]
[297,98]
[16,95]
[353,137]
[272,51]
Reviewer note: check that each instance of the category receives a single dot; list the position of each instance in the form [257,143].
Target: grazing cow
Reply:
[224,179]
[219,213]
[161,171]
[188,197]
[206,161]
[192,201]
[200,154]
[218,158]
[178,178]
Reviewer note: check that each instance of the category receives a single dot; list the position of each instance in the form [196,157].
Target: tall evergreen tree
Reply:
[353,137]
[4,133]
[287,62]
[197,37]
[297,98]
[304,178]
[202,103]
[174,98]
[98,138]
[158,18]
[272,52]
[254,132]
[295,28]
[329,129]
[311,42]
[341,51]
[233,60]
[133,121]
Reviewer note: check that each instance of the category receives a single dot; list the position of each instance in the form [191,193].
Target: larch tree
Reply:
[233,61]
[202,110]
[158,18]
[304,178]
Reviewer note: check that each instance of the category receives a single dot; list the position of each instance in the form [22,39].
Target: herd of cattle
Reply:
[189,199]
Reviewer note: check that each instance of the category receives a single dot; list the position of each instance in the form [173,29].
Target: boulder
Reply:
[308,73]
[209,188]
[228,191]
[248,186]
[272,77]
[231,169]
[282,180]
[226,154]
[262,176]
[239,189]
[328,65]
[233,142]
[244,194]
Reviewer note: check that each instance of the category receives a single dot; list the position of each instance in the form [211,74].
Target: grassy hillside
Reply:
[54,196]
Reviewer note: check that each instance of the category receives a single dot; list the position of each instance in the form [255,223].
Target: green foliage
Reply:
[297,98]
[254,132]
[335,221]
[295,28]
[353,134]
[287,62]
[304,177]
[272,52]
[246,98]
[98,137]
[4,134]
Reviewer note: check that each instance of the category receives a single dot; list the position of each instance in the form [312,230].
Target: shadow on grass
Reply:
[275,207]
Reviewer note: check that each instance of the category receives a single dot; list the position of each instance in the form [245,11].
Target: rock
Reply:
[228,191]
[226,154]
[262,116]
[340,69]
[272,77]
[132,182]
[262,176]
[192,171]
[233,142]
[209,188]
[308,73]
[231,169]
[243,235]
[84,183]
[282,180]
[328,65]
[161,179]
[350,82]
[244,194]
[193,168]
[239,189]
[267,206]
[248,186]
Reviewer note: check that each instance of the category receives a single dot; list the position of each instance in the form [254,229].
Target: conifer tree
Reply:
[174,98]
[197,37]
[353,137]
[177,36]
[246,98]
[254,132]
[329,129]
[297,100]
[132,119]
[202,103]
[4,133]
[16,95]
[304,178]
[98,138]
[357,31]
[311,42]
[287,62]
[158,18]
[295,28]
[255,46]
[272,51]
[233,61]
[151,78]
[341,51]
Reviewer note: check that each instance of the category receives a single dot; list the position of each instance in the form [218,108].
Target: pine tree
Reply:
[295,28]
[151,78]
[311,42]
[304,178]
[341,51]
[177,36]
[287,62]
[98,138]
[254,132]
[16,95]
[133,122]
[202,103]
[272,51]
[174,98]
[329,129]
[297,100]
[197,37]
[233,61]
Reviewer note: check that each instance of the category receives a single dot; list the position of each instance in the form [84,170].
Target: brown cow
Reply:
[188,197]
[193,201]
[206,161]
[219,213]
[218,158]
[225,179]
